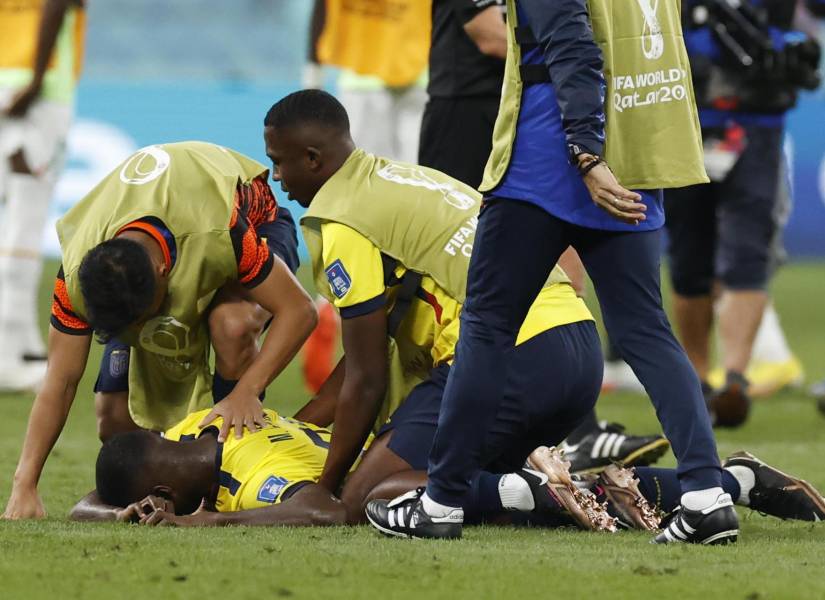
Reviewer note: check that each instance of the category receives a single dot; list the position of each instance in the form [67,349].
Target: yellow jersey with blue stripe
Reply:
[263,467]
[432,323]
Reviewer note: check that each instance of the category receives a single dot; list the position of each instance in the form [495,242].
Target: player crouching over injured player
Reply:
[180,251]
[269,477]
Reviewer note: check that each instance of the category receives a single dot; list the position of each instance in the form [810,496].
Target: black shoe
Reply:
[778,494]
[718,524]
[608,444]
[730,406]
[547,512]
[544,501]
[405,517]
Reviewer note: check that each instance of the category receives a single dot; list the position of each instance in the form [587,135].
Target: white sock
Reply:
[515,493]
[20,264]
[19,282]
[770,344]
[746,479]
[701,499]
[436,509]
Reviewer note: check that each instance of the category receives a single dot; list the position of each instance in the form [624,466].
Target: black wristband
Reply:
[584,170]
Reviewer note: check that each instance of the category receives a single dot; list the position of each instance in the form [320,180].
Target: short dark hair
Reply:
[121,467]
[315,107]
[118,285]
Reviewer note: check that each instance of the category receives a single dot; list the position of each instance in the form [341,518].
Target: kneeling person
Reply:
[389,244]
[168,254]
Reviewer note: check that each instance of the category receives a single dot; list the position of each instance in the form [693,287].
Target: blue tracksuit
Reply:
[540,209]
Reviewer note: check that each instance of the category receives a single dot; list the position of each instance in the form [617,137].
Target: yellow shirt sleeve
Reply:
[354,270]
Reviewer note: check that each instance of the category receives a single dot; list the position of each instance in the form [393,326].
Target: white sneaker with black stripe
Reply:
[717,524]
[405,517]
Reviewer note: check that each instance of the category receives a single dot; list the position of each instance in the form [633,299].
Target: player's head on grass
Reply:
[123,283]
[307,139]
[136,464]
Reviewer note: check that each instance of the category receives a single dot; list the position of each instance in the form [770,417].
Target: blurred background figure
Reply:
[40,59]
[469,44]
[319,351]
[816,8]
[773,365]
[748,65]
[381,49]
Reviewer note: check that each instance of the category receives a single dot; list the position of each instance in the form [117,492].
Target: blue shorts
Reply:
[728,230]
[554,382]
[114,368]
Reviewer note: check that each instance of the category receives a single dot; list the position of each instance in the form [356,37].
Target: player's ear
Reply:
[314,158]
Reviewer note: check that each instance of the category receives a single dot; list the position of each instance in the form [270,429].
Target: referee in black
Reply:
[469,44]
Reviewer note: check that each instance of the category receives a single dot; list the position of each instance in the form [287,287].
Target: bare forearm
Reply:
[54,11]
[310,506]
[488,32]
[355,414]
[91,509]
[316,27]
[320,410]
[287,333]
[48,416]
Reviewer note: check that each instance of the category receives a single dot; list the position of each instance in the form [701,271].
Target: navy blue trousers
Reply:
[516,246]
[534,411]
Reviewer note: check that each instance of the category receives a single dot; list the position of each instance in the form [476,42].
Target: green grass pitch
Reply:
[58,559]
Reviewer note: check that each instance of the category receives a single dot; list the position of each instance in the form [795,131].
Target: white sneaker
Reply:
[22,376]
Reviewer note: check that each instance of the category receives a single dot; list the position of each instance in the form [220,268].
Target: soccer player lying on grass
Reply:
[180,249]
[269,477]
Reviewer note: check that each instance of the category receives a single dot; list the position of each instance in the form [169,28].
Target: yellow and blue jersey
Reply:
[263,467]
[356,276]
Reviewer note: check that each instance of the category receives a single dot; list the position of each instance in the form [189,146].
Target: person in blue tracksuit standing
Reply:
[557,191]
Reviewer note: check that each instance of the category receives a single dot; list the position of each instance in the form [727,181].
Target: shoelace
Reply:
[401,514]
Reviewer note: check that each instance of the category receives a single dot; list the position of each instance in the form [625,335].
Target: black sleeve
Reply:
[282,237]
[574,60]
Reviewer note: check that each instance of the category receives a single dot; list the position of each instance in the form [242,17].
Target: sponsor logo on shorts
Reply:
[118,363]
